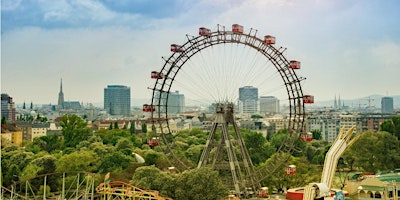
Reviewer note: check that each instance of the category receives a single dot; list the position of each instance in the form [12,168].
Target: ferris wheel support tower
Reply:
[242,169]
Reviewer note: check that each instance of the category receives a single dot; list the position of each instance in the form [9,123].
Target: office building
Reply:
[269,105]
[248,100]
[176,102]
[7,108]
[387,105]
[117,100]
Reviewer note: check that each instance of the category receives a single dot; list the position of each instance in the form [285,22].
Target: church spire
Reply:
[61,97]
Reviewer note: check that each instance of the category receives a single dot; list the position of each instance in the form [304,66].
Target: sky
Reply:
[347,48]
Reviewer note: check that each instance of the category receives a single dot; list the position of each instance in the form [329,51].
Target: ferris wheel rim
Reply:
[196,44]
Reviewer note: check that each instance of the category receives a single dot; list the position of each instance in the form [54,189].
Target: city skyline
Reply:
[91,44]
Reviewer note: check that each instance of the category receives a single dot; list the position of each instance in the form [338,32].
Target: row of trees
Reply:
[103,151]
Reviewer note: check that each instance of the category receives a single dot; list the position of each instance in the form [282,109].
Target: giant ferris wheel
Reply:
[209,68]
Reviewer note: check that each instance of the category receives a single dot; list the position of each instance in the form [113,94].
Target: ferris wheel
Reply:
[210,68]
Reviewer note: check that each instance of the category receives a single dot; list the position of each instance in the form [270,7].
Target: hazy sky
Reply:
[349,48]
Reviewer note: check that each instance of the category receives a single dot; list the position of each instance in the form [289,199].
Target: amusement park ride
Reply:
[323,190]
[228,153]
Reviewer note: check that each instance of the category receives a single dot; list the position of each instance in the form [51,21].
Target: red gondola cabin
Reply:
[268,39]
[307,136]
[152,141]
[308,99]
[291,169]
[236,28]
[157,75]
[294,64]
[148,108]
[176,48]
[262,192]
[204,31]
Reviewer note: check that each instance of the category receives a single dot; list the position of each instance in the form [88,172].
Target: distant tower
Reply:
[8,111]
[117,100]
[387,105]
[61,98]
[248,100]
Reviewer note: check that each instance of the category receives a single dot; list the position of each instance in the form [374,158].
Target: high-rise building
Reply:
[269,104]
[176,102]
[7,107]
[387,105]
[117,100]
[60,104]
[248,100]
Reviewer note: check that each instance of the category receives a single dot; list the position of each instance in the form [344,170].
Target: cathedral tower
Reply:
[61,98]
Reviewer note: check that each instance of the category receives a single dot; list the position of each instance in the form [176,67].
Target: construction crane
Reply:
[322,190]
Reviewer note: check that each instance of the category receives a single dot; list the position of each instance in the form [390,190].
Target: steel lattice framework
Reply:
[196,44]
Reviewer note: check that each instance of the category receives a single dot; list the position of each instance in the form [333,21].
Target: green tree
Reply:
[191,183]
[392,126]
[151,177]
[48,143]
[115,161]
[3,121]
[316,134]
[116,125]
[256,116]
[258,147]
[144,128]
[74,130]
[375,151]
[305,173]
[132,128]
[83,160]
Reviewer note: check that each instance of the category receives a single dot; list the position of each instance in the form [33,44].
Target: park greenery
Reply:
[112,151]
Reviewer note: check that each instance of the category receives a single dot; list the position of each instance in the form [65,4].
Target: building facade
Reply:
[8,108]
[176,102]
[387,105]
[327,124]
[248,100]
[269,105]
[117,100]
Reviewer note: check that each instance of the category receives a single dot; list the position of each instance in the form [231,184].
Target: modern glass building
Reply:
[269,104]
[117,100]
[176,102]
[7,107]
[248,100]
[387,105]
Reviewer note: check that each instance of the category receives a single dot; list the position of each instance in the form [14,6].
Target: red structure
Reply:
[291,169]
[176,48]
[268,39]
[156,75]
[294,64]
[204,31]
[148,108]
[307,136]
[236,28]
[153,141]
[262,192]
[308,99]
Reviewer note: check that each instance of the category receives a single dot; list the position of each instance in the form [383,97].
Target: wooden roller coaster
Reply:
[124,191]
